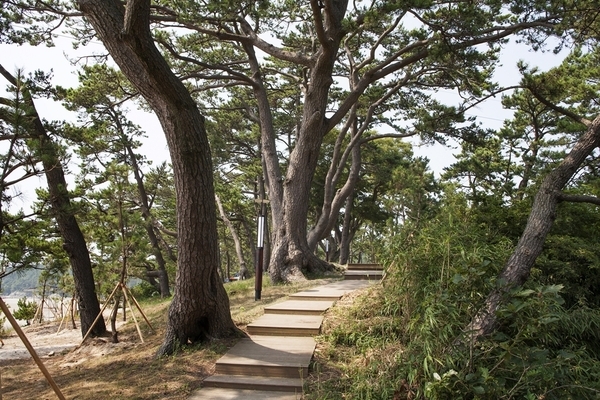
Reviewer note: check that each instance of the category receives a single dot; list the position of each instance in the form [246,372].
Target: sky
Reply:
[58,58]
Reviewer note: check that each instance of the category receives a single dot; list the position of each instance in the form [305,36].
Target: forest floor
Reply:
[128,370]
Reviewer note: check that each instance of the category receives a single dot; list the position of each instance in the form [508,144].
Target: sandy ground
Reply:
[45,339]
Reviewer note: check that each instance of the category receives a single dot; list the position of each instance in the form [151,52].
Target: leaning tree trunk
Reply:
[200,308]
[542,215]
[346,234]
[333,199]
[73,240]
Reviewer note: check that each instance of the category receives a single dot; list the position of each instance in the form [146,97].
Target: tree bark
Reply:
[346,234]
[200,308]
[291,253]
[334,200]
[236,240]
[530,245]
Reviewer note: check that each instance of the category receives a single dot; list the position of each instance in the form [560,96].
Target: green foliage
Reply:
[541,350]
[144,290]
[405,340]
[26,310]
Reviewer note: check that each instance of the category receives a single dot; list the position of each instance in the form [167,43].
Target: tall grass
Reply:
[398,341]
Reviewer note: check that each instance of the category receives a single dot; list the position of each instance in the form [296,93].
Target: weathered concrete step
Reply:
[363,275]
[286,325]
[276,356]
[237,394]
[271,384]
[300,307]
[362,267]
[332,291]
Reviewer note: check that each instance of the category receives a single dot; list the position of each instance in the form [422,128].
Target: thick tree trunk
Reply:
[291,254]
[200,308]
[530,245]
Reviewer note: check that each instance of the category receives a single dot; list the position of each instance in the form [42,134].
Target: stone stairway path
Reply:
[274,360]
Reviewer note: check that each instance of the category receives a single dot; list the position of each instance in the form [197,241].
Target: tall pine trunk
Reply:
[291,253]
[200,308]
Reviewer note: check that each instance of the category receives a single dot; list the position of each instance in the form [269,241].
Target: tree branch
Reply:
[579,198]
[233,75]
[265,46]
[136,11]
[316,6]
[559,109]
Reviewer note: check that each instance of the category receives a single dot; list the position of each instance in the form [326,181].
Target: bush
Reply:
[26,310]
[437,278]
[144,290]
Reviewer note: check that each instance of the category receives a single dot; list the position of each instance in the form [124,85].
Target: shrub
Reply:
[25,310]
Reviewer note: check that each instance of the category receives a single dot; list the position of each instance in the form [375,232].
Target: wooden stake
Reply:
[137,326]
[65,315]
[139,308]
[30,348]
[100,314]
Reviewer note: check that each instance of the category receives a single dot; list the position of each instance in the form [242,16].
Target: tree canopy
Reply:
[315,99]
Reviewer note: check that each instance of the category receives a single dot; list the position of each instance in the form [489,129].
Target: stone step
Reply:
[362,267]
[245,394]
[272,356]
[300,307]
[271,384]
[333,291]
[363,275]
[286,325]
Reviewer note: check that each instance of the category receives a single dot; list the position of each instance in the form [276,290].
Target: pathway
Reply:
[273,361]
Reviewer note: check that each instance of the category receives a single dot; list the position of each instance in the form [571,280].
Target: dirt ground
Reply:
[127,370]
[99,369]
[45,339]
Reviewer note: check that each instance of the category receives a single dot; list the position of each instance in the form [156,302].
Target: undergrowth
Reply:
[403,339]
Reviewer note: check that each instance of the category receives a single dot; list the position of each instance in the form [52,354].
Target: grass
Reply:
[356,348]
[128,370]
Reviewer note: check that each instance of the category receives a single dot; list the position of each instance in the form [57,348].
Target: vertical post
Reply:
[327,250]
[259,253]
[260,237]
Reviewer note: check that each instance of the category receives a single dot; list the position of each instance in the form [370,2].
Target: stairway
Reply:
[273,361]
[364,272]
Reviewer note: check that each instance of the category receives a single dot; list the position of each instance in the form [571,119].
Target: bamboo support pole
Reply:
[30,348]
[65,315]
[140,309]
[99,314]
[137,326]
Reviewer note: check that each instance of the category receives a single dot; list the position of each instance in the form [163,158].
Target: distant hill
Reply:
[22,282]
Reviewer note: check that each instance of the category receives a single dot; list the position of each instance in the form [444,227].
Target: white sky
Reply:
[12,57]
[30,59]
